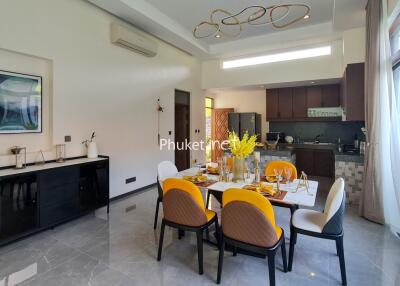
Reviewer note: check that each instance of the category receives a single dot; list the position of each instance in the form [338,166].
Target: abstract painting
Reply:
[20,103]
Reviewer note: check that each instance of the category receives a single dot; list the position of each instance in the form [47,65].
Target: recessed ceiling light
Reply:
[218,36]
[307,17]
[312,82]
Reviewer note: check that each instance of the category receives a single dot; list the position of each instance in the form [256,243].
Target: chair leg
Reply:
[340,250]
[271,269]
[160,244]
[293,238]
[217,231]
[220,259]
[283,250]
[234,250]
[199,235]
[156,216]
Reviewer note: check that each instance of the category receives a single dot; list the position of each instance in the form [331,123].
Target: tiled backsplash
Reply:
[330,131]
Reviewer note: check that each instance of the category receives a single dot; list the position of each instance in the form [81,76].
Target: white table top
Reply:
[34,168]
[300,197]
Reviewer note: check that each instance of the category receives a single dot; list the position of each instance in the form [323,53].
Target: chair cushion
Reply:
[210,214]
[308,220]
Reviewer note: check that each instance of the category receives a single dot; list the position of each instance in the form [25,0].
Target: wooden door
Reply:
[285,103]
[182,129]
[314,96]
[300,103]
[219,130]
[331,95]
[272,104]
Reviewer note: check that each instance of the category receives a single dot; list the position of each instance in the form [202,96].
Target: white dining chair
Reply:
[326,225]
[165,169]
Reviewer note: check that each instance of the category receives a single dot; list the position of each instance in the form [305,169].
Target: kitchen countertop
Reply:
[286,150]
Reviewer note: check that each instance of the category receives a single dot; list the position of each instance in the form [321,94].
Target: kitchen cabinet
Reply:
[285,104]
[331,95]
[314,97]
[352,92]
[305,161]
[315,162]
[272,104]
[324,163]
[291,104]
[300,103]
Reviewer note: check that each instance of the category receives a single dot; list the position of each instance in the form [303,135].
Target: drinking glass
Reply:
[288,175]
[278,176]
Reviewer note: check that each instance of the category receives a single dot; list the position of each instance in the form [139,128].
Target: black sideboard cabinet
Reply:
[40,199]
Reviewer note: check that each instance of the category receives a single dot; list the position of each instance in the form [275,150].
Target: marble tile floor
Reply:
[120,249]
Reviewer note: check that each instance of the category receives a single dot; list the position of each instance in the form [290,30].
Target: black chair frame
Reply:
[270,253]
[339,247]
[159,200]
[181,229]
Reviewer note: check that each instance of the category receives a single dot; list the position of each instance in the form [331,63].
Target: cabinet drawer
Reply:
[59,176]
[59,194]
[53,214]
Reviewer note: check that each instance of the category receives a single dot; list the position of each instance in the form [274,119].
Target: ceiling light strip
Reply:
[281,57]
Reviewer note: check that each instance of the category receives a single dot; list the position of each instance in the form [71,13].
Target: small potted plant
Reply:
[91,147]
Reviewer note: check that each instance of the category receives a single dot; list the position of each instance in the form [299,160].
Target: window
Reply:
[281,57]
[209,106]
[395,50]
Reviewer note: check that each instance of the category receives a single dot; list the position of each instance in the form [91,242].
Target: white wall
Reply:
[354,46]
[326,67]
[243,100]
[99,86]
[348,47]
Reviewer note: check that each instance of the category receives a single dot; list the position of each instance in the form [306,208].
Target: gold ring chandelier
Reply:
[252,15]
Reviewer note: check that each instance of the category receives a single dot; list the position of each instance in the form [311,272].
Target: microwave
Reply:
[272,136]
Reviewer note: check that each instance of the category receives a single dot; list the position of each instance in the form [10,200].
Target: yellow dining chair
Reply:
[280,165]
[248,222]
[184,210]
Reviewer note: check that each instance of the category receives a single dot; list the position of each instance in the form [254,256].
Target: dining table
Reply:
[290,195]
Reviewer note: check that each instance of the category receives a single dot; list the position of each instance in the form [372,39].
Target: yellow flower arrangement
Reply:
[241,149]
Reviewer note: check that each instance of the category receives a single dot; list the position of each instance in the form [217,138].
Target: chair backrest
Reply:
[334,208]
[249,217]
[166,169]
[183,203]
[280,165]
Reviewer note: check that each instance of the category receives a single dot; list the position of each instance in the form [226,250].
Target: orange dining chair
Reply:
[184,210]
[248,223]
[280,165]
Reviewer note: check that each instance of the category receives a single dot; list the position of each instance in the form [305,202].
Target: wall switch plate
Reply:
[130,180]
[67,138]
[169,132]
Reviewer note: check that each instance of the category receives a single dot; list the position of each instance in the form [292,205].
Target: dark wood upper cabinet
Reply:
[331,95]
[272,104]
[352,92]
[300,102]
[314,96]
[285,106]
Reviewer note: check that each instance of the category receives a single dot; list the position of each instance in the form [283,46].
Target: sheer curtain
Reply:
[381,195]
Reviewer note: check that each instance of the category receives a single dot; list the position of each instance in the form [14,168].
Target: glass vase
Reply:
[238,170]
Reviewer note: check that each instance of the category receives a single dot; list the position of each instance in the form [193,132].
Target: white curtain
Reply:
[392,124]
[382,165]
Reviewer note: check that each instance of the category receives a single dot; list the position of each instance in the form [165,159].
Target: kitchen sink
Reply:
[320,143]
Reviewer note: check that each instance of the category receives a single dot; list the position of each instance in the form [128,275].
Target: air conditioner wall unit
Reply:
[133,40]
